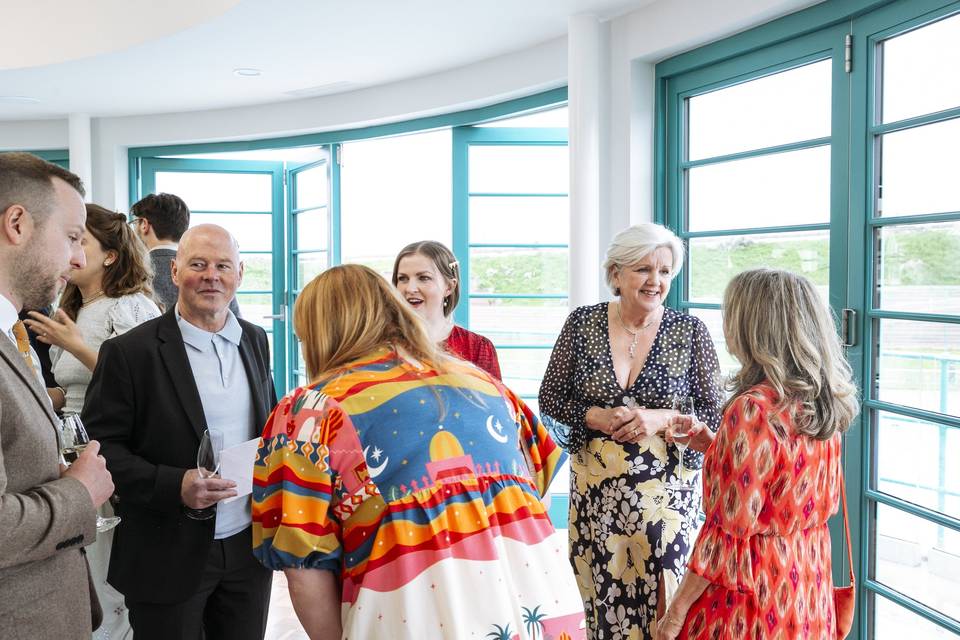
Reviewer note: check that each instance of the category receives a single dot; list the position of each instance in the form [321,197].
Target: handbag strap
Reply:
[846,525]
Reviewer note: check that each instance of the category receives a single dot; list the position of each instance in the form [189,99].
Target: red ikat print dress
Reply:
[765,546]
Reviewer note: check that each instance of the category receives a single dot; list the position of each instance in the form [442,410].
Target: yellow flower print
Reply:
[605,459]
[629,553]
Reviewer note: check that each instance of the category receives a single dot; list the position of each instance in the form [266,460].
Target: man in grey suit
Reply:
[161,219]
[47,515]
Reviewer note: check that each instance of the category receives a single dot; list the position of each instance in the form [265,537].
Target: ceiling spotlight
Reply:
[246,72]
[19,100]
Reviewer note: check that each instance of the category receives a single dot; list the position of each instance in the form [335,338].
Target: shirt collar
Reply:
[200,339]
[8,315]
[172,246]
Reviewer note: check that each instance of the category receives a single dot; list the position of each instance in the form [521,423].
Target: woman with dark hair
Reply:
[427,275]
[400,491]
[772,475]
[109,296]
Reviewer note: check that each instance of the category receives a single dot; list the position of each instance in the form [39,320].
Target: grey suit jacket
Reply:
[44,519]
[163,288]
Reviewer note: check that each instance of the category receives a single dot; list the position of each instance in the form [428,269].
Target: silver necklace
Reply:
[635,334]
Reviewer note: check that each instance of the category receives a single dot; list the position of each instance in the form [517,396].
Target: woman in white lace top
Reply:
[109,296]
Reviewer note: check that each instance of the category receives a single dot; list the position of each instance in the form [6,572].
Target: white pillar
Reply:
[586,69]
[81,156]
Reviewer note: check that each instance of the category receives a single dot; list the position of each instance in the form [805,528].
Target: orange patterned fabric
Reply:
[765,546]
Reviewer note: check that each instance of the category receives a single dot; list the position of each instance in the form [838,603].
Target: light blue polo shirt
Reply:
[226,398]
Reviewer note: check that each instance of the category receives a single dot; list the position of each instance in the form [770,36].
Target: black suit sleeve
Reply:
[272,391]
[110,415]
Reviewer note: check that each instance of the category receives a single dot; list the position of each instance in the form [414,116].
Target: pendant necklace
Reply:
[93,298]
[635,334]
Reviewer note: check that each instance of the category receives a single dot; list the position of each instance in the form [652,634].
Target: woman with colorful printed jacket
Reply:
[400,490]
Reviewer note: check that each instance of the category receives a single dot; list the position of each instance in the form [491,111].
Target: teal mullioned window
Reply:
[823,143]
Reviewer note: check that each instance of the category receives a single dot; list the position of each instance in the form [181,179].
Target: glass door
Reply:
[246,198]
[311,228]
[912,401]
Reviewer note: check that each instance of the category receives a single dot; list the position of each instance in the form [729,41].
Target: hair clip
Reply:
[454,264]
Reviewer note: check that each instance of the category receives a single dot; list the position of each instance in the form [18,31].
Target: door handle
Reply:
[282,316]
[848,327]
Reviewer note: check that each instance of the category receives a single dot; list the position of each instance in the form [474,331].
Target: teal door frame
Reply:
[854,222]
[149,167]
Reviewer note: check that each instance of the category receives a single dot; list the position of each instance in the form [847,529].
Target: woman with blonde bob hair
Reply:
[389,517]
[772,473]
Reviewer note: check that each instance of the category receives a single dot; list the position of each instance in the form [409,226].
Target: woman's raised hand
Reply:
[698,436]
[59,330]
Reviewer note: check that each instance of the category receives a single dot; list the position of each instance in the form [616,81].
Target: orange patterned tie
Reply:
[23,341]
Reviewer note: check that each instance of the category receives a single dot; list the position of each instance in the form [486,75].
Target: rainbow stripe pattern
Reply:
[421,489]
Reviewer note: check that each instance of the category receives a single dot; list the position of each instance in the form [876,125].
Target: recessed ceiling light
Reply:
[19,100]
[246,72]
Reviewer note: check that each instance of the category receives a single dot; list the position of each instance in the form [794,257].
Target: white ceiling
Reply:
[125,57]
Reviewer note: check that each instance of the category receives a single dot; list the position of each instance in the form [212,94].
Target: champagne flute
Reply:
[685,406]
[73,440]
[208,466]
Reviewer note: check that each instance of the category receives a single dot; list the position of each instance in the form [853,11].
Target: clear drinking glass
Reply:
[208,466]
[73,440]
[685,406]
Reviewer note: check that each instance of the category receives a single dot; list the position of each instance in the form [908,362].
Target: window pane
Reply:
[523,369]
[505,220]
[714,261]
[893,622]
[312,187]
[395,191]
[518,321]
[918,170]
[782,189]
[518,270]
[553,118]
[919,559]
[257,272]
[309,266]
[919,268]
[219,191]
[714,320]
[916,66]
[254,232]
[519,169]
[919,365]
[785,107]
[931,479]
[254,306]
[312,229]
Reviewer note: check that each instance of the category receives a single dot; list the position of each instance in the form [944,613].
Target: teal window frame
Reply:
[284,359]
[463,139]
[772,47]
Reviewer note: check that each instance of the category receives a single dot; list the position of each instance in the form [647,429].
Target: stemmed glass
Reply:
[73,440]
[208,466]
[685,406]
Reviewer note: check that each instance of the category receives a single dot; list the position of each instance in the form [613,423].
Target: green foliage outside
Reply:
[922,256]
[536,272]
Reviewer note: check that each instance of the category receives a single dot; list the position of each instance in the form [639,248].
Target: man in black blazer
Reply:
[155,390]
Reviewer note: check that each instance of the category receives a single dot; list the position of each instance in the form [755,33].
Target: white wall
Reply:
[34,135]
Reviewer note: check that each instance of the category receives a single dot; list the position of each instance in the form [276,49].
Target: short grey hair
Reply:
[635,243]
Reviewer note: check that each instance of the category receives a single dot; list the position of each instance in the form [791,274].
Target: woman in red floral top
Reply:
[427,275]
[761,565]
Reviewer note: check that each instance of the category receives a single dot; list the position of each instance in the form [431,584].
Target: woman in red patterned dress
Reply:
[761,565]
[427,275]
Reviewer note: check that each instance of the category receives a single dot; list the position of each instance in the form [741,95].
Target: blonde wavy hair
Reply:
[779,328]
[349,311]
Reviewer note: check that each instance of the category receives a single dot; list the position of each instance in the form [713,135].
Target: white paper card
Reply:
[236,463]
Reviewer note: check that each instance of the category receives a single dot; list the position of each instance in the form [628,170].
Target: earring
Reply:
[616,291]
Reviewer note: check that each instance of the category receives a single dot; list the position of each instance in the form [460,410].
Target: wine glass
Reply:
[73,440]
[208,466]
[685,406]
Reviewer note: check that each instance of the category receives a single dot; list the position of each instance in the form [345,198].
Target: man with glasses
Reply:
[160,220]
[46,515]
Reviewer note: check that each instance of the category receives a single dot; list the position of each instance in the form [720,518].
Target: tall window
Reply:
[830,154]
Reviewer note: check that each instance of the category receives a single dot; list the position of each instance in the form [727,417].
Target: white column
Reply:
[586,72]
[81,156]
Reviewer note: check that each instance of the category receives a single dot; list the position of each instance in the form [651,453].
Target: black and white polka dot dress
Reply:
[628,525]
